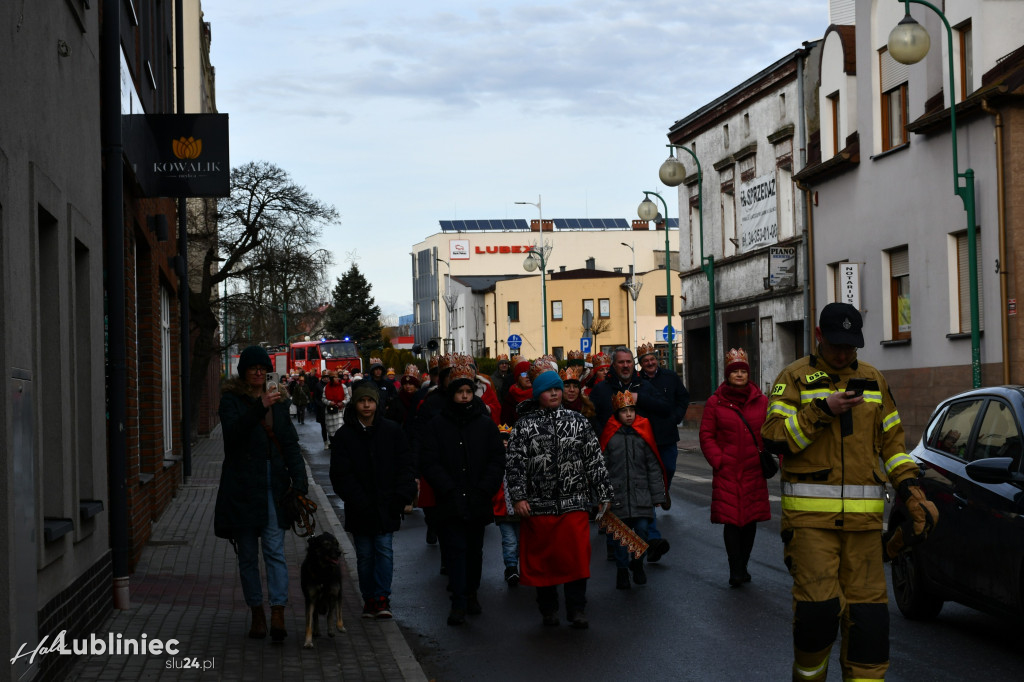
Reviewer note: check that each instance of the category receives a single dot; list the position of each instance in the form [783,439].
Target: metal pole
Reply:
[966,193]
[668,285]
[543,269]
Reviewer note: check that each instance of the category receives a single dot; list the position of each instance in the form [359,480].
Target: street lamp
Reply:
[449,304]
[908,44]
[536,257]
[633,287]
[673,173]
[531,263]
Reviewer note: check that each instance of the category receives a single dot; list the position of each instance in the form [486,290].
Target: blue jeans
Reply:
[669,454]
[375,564]
[247,543]
[622,555]
[509,543]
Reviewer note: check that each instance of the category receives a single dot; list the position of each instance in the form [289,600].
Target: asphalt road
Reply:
[685,624]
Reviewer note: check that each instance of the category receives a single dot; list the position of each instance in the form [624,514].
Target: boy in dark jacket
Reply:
[637,478]
[462,457]
[372,472]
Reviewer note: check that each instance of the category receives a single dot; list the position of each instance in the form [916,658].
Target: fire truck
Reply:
[324,355]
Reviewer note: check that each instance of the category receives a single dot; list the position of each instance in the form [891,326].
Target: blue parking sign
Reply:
[586,343]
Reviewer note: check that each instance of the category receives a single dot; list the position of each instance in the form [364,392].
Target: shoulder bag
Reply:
[769,467]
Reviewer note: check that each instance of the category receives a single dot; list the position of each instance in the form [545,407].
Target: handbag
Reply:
[769,467]
[298,510]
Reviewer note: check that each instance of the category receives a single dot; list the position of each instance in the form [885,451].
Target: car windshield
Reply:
[334,350]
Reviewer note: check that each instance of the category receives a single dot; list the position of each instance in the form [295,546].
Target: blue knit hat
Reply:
[546,381]
[254,356]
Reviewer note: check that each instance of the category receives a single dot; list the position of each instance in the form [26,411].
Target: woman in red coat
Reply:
[739,494]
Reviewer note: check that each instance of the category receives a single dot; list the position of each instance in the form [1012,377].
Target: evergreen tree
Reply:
[354,313]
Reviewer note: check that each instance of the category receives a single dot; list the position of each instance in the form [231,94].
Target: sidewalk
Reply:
[186,587]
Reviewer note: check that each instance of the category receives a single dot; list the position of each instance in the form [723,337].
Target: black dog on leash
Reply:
[321,585]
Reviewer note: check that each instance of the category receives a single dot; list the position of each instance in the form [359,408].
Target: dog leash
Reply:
[301,508]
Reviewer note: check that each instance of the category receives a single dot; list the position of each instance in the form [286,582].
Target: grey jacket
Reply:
[635,475]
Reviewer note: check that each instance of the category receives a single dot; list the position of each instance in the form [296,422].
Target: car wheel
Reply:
[913,598]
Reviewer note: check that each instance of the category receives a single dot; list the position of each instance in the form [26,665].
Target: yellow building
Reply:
[471,290]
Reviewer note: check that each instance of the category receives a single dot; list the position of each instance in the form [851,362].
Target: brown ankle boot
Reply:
[277,631]
[259,623]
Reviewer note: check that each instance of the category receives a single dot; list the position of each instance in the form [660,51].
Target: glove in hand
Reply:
[922,516]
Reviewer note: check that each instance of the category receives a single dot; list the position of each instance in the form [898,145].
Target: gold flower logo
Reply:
[189,148]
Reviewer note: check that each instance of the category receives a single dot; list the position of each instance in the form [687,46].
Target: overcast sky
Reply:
[404,113]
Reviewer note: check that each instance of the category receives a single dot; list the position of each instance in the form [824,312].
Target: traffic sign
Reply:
[515,341]
[668,333]
[586,343]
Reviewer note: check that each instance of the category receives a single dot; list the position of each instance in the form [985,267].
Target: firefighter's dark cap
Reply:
[841,324]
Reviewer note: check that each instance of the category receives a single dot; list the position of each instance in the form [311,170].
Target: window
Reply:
[963,285]
[588,304]
[966,41]
[556,310]
[513,311]
[998,435]
[558,352]
[833,104]
[299,353]
[604,307]
[899,296]
[952,432]
[725,136]
[661,305]
[894,78]
[729,242]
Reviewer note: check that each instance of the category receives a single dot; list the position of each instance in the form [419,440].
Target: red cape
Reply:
[642,426]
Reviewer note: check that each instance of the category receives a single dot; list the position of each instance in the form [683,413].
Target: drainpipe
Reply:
[183,287]
[1001,204]
[117,353]
[809,316]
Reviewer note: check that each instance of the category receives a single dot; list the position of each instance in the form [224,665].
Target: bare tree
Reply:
[597,327]
[263,242]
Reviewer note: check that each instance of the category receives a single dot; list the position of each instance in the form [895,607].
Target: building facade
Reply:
[890,233]
[749,142]
[458,273]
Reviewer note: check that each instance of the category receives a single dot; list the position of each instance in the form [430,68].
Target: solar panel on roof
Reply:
[446,226]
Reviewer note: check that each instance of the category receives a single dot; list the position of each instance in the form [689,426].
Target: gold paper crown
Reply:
[433,361]
[543,364]
[645,349]
[391,371]
[736,355]
[445,361]
[376,361]
[412,370]
[623,399]
[461,368]
[504,429]
[600,360]
[571,373]
[502,356]
[575,355]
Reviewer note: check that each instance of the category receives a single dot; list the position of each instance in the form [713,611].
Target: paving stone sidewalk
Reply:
[186,587]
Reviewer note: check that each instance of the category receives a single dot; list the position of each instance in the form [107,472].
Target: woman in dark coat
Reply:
[372,472]
[739,492]
[462,457]
[261,460]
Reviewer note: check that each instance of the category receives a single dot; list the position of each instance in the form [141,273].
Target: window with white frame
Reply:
[962,294]
[894,77]
[729,240]
[556,310]
[899,292]
[167,407]
[784,198]
[835,117]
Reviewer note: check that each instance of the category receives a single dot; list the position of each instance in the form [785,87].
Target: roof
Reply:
[479,284]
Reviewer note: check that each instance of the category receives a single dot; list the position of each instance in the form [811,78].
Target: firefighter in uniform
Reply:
[837,449]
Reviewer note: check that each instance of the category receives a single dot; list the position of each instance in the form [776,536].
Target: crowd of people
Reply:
[544,452]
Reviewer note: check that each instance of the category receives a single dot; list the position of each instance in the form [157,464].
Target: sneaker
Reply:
[370,608]
[578,621]
[383,608]
[512,576]
[457,617]
[656,549]
[473,607]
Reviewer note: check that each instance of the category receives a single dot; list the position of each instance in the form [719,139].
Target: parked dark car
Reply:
[970,459]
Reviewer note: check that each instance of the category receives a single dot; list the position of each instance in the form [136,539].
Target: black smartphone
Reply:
[856,385]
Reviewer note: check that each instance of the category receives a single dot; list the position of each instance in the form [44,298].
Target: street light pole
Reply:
[908,44]
[673,173]
[633,287]
[448,305]
[542,254]
[649,211]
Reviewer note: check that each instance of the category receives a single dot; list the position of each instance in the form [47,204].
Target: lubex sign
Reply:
[179,155]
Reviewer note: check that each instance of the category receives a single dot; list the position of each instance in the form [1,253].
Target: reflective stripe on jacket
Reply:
[834,469]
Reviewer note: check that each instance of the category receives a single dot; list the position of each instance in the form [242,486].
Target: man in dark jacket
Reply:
[372,472]
[652,404]
[462,457]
